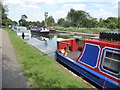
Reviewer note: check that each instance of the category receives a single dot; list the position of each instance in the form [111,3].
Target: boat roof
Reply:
[105,42]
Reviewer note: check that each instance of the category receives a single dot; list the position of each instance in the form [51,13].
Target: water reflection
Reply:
[47,43]
[27,34]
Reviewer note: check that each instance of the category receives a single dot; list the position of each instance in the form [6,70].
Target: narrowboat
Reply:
[20,30]
[34,29]
[97,59]
[39,29]
[52,30]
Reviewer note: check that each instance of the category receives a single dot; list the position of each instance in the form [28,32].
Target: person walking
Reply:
[23,35]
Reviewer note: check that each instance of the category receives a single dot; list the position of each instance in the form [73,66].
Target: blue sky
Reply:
[35,9]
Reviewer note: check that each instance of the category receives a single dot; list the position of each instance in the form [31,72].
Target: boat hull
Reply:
[88,73]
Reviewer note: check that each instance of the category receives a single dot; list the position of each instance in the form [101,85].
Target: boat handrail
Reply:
[65,43]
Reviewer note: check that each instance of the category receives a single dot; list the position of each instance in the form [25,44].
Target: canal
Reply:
[47,43]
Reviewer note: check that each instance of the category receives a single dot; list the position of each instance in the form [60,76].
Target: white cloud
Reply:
[75,6]
[60,12]
[53,1]
[101,13]
[98,5]
[32,6]
[64,1]
[115,1]
[35,9]
[11,2]
[116,6]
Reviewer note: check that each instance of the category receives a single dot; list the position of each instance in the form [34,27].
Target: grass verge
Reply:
[40,70]
[85,30]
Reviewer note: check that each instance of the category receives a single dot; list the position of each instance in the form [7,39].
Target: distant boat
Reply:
[39,29]
[52,30]
[19,30]
[44,29]
[35,29]
[98,59]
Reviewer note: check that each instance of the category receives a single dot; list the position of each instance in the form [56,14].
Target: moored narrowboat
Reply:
[39,29]
[97,59]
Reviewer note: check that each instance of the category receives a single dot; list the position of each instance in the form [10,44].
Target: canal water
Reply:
[47,43]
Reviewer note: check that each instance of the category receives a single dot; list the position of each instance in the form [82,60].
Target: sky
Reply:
[35,9]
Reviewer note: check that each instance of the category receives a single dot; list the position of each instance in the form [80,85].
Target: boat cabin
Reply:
[39,29]
[98,59]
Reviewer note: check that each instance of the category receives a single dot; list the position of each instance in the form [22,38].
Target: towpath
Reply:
[12,76]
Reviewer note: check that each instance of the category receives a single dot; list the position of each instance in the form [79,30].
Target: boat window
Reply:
[112,62]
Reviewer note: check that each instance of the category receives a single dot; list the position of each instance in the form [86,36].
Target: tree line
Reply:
[4,20]
[80,18]
[74,18]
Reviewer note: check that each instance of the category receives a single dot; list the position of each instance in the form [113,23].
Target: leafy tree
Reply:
[22,21]
[91,23]
[112,22]
[67,24]
[4,20]
[101,23]
[24,17]
[61,22]
[50,21]
[78,18]
[43,23]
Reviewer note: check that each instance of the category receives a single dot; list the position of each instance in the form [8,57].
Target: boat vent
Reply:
[110,36]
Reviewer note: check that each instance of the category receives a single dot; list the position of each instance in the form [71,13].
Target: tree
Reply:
[50,21]
[78,18]
[24,17]
[4,20]
[61,22]
[22,21]
[112,22]
[101,23]
[43,23]
[91,23]
[14,23]
[67,24]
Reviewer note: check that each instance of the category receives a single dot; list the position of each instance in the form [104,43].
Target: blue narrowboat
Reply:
[97,59]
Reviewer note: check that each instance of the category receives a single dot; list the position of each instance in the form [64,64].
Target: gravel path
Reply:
[12,76]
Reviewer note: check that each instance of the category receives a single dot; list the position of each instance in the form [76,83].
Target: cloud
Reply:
[101,13]
[98,5]
[35,9]
[53,1]
[115,1]
[11,2]
[116,6]
[60,12]
[75,6]
[32,6]
[66,1]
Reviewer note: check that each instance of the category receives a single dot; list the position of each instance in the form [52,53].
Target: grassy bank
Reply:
[86,30]
[40,70]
